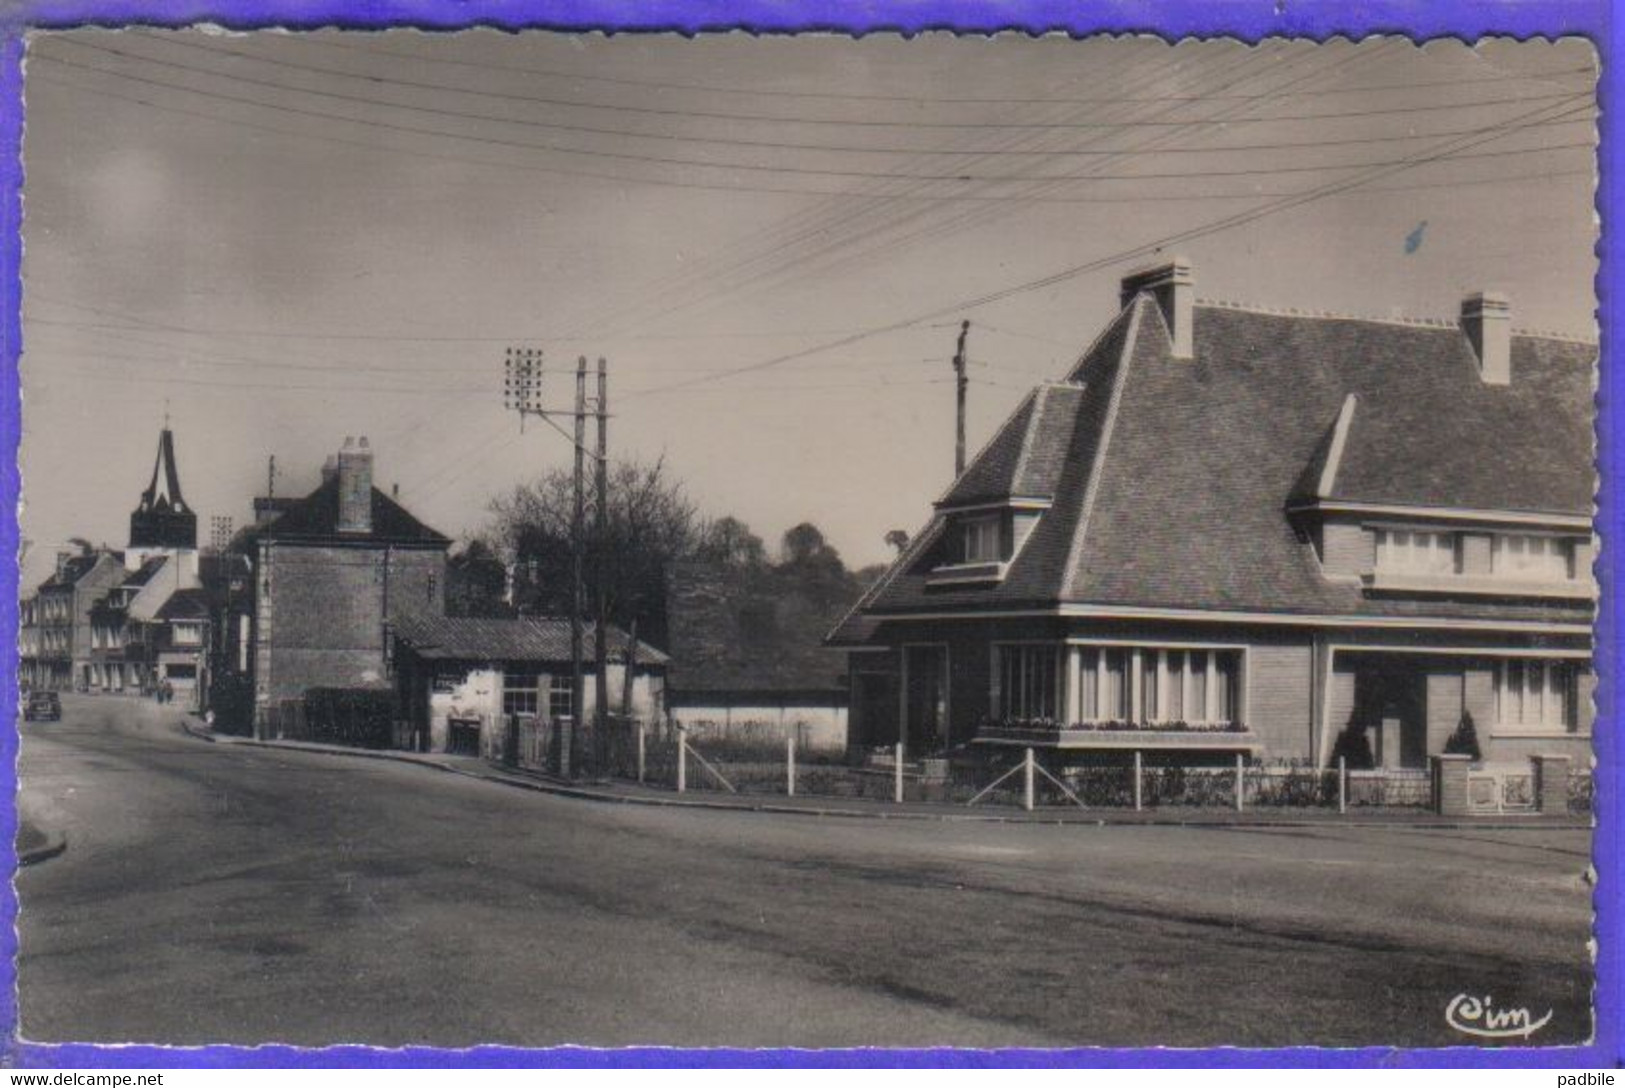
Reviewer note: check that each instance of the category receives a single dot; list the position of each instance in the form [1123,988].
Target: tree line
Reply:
[519,562]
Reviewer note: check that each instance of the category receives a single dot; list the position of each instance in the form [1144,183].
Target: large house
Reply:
[1231,530]
[329,574]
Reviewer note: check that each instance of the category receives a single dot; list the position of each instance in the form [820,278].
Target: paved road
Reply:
[226,894]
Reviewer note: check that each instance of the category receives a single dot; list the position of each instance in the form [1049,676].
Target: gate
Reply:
[1494,792]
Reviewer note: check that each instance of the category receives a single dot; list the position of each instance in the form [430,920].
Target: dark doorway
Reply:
[874,709]
[1390,699]
[925,671]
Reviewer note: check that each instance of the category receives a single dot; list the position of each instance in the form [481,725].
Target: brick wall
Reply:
[417,581]
[322,623]
[1444,703]
[1515,751]
[1478,684]
[1340,705]
[1348,549]
[1279,698]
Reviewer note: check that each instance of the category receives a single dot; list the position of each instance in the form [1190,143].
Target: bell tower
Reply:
[162,523]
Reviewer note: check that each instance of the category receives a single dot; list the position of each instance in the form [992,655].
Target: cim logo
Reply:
[1474,1016]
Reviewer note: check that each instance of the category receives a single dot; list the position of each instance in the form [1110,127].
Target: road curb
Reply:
[537,784]
[55,843]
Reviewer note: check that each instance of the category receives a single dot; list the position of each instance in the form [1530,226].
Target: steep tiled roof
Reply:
[76,567]
[1176,473]
[315,518]
[466,638]
[751,630]
[145,572]
[185,604]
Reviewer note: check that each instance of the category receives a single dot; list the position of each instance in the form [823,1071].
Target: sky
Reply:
[280,240]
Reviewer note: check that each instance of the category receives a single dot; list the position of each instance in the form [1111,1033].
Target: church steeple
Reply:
[163,520]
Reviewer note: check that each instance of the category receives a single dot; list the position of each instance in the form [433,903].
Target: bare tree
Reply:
[651,523]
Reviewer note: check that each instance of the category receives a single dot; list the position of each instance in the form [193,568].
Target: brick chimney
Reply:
[1486,318]
[1173,285]
[355,486]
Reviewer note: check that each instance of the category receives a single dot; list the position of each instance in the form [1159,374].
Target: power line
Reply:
[928,198]
[875,212]
[289,334]
[689,115]
[884,235]
[729,141]
[1213,227]
[848,96]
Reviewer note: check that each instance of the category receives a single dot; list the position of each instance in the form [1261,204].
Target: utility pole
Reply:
[601,565]
[270,478]
[573,740]
[577,589]
[961,385]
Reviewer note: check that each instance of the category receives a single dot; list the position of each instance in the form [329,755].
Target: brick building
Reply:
[1231,530]
[328,574]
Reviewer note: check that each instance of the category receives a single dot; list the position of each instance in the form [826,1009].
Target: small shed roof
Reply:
[541,640]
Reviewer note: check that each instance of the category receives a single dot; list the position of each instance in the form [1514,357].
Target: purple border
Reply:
[1248,21]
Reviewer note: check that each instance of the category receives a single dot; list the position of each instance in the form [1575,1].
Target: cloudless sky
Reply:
[286,239]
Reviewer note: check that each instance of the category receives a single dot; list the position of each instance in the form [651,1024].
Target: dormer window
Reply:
[1408,551]
[977,545]
[981,537]
[1531,558]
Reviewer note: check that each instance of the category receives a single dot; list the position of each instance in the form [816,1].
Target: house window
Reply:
[1526,558]
[561,697]
[188,634]
[521,692]
[1105,686]
[1537,695]
[981,538]
[1150,684]
[1027,683]
[1407,551]
[429,586]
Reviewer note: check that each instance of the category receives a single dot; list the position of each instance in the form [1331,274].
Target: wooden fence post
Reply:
[897,775]
[1342,785]
[642,741]
[1027,781]
[682,759]
[790,764]
[1241,778]
[1138,774]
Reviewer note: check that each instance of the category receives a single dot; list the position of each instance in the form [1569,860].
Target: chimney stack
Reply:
[330,469]
[1173,285]
[355,487]
[1486,318]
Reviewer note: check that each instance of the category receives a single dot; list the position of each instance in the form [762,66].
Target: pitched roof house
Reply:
[1233,530]
[330,573]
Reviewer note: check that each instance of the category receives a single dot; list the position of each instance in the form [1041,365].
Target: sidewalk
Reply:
[620,792]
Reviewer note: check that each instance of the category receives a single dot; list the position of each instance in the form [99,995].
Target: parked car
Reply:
[42,706]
